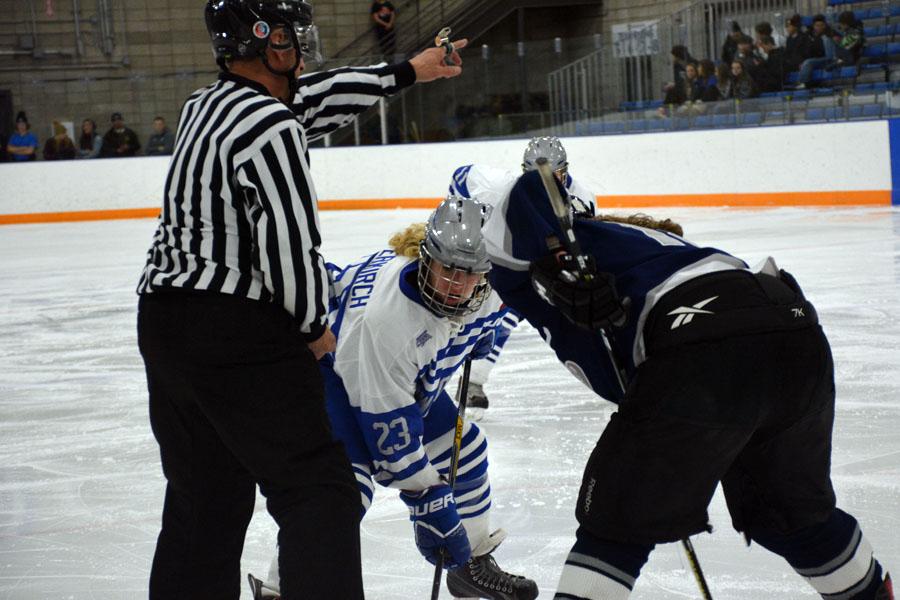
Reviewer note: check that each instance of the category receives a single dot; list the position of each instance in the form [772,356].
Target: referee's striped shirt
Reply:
[239,211]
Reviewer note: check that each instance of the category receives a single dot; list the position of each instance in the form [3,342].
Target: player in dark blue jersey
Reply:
[726,377]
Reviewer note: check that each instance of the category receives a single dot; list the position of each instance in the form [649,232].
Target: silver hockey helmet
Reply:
[454,262]
[548,147]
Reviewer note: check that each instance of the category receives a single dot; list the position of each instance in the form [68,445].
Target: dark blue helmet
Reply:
[241,28]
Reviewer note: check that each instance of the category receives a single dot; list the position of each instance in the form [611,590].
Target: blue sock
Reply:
[600,569]
[834,557]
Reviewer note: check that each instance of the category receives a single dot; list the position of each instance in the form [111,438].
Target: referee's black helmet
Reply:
[241,28]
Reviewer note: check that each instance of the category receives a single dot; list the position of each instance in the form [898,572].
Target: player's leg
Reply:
[481,577]
[779,490]
[345,428]
[477,401]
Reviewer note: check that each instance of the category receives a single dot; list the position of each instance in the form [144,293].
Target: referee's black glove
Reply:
[590,301]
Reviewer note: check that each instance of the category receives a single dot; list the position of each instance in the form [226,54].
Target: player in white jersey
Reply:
[405,320]
[491,186]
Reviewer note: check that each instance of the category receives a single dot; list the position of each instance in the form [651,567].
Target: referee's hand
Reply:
[429,63]
[325,344]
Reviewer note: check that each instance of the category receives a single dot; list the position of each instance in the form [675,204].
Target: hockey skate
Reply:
[476,403]
[260,590]
[886,591]
[482,577]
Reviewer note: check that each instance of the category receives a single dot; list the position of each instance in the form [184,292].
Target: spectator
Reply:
[724,80]
[162,142]
[830,48]
[849,44]
[708,82]
[769,73]
[22,144]
[680,58]
[729,48]
[119,141]
[763,29]
[796,46]
[745,53]
[384,14]
[743,86]
[90,142]
[60,146]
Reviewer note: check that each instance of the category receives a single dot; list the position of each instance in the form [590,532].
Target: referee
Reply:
[232,312]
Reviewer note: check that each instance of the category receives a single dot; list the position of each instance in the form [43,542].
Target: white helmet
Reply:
[548,147]
[452,250]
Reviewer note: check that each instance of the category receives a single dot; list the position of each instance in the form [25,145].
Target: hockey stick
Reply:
[462,394]
[563,215]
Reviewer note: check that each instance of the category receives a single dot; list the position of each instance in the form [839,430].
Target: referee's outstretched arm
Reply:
[328,100]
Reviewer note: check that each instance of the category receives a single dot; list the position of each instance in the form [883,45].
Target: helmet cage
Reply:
[449,304]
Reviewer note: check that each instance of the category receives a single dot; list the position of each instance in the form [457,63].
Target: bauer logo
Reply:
[432,507]
[261,29]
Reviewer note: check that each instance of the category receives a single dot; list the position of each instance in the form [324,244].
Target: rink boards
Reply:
[829,164]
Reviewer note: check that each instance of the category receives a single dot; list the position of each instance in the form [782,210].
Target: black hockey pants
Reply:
[236,399]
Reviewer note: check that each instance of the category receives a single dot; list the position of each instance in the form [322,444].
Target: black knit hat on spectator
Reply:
[735,27]
[116,116]
[21,118]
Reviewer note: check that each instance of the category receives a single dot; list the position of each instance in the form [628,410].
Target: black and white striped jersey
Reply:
[239,212]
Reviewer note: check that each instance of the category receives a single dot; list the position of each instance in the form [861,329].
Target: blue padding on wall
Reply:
[894,138]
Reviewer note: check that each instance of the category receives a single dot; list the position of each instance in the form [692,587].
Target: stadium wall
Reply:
[834,164]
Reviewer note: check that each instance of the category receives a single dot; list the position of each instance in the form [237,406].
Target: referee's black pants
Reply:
[236,399]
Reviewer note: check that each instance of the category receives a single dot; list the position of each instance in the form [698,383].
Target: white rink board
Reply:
[831,157]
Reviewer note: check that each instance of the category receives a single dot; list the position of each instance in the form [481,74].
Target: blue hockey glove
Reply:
[436,525]
[483,347]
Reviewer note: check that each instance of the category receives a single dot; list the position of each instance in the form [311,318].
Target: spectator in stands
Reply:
[797,44]
[680,58]
[724,80]
[683,89]
[769,73]
[843,47]
[729,48]
[23,144]
[708,82]
[850,40]
[60,146]
[763,29]
[384,15]
[162,141]
[742,86]
[746,53]
[119,141]
[89,142]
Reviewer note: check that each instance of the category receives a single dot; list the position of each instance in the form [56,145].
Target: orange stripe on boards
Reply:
[79,215]
[772,199]
[850,198]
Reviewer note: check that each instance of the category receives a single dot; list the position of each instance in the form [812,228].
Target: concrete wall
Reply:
[765,166]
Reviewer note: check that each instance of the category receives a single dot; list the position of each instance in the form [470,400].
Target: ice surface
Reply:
[80,483]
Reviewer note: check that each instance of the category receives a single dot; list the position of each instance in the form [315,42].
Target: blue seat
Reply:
[637,125]
[856,111]
[875,51]
[823,91]
[872,110]
[893,48]
[881,87]
[724,121]
[799,94]
[847,73]
[660,125]
[751,119]
[815,114]
[863,88]
[703,121]
[793,77]
[770,94]
[614,127]
[872,13]
[895,12]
